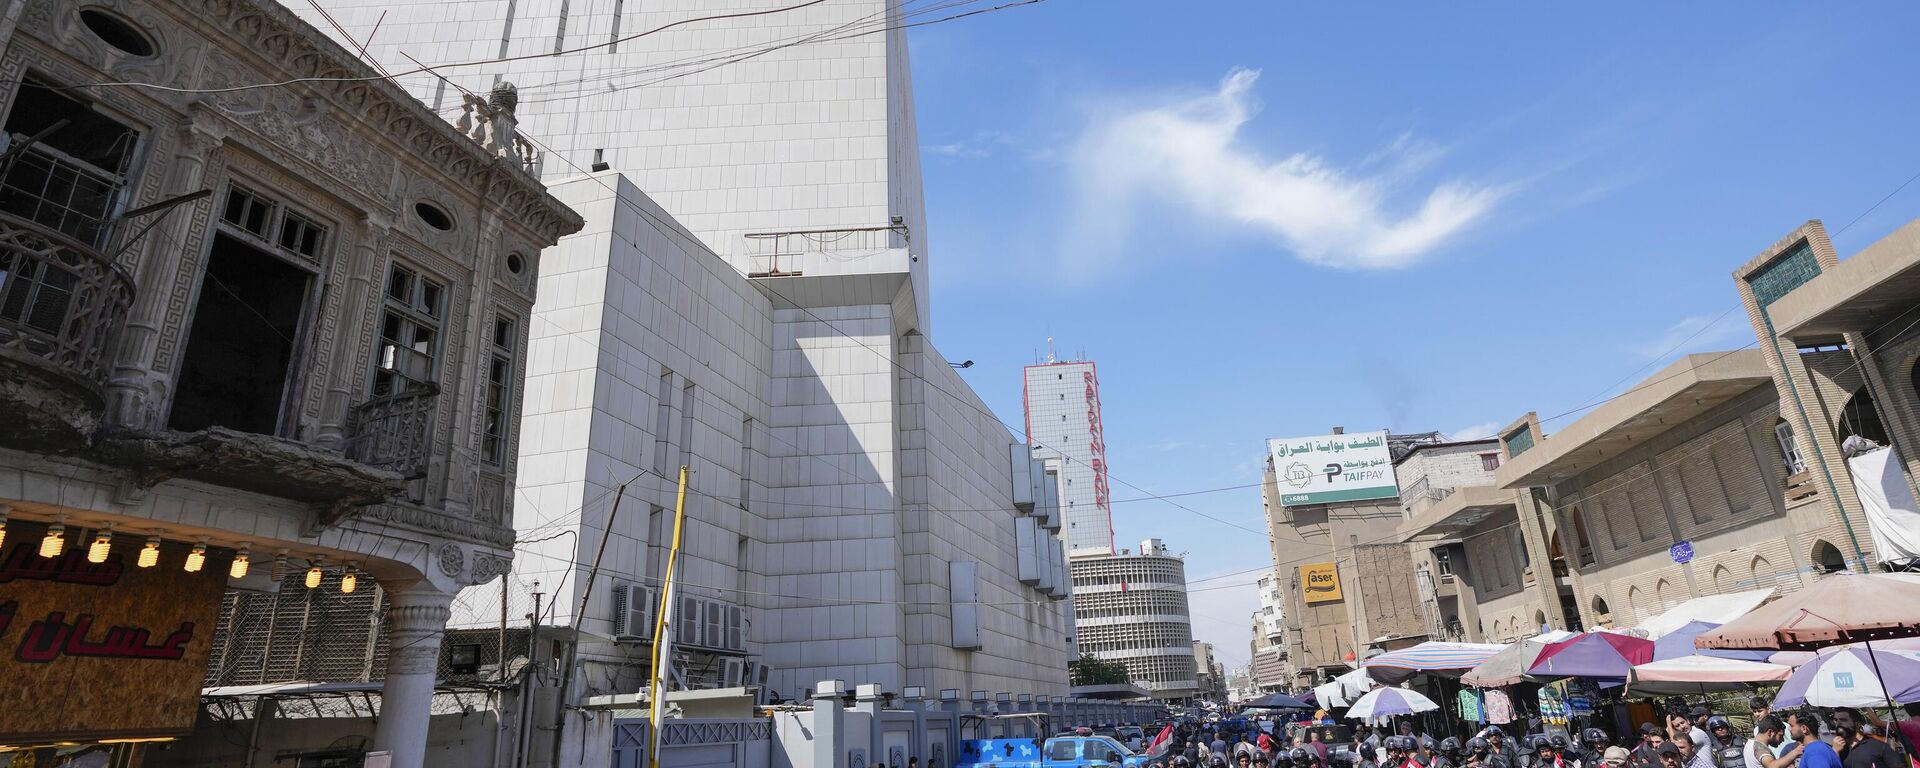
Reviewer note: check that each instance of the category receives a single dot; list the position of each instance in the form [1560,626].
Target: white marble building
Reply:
[750,299]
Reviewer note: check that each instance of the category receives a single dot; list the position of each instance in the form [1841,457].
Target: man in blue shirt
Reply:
[1805,728]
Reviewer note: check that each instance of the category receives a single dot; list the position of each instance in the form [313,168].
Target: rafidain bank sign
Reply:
[1330,468]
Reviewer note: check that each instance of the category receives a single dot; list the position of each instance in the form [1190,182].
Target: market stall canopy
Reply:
[1679,643]
[1387,702]
[1354,683]
[1606,655]
[1713,609]
[1839,608]
[1330,695]
[1854,677]
[1394,667]
[1700,674]
[1797,658]
[1507,667]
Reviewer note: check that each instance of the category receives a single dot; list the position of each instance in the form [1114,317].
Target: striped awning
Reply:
[1393,667]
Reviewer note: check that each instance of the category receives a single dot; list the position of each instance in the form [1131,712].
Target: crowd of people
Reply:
[1688,737]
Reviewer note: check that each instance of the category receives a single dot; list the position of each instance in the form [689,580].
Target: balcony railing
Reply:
[60,300]
[394,432]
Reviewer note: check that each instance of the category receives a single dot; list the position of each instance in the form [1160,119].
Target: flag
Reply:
[1159,745]
[1123,585]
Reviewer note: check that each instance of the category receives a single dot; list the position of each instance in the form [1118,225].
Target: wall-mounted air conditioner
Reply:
[633,613]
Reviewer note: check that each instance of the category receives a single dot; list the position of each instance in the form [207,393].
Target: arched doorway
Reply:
[1827,558]
[1860,417]
[1601,616]
[1540,620]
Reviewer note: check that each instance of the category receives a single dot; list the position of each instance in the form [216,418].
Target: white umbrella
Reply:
[1386,702]
[1700,674]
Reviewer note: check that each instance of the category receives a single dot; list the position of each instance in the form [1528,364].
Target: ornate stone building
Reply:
[261,327]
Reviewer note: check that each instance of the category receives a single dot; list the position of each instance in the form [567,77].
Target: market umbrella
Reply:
[1679,643]
[1385,702]
[1854,677]
[1797,658]
[1592,654]
[1507,667]
[1839,608]
[1700,674]
[1394,667]
[1277,701]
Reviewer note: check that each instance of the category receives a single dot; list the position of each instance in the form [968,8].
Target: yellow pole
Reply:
[661,651]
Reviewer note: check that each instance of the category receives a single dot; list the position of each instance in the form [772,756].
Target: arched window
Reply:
[1581,543]
[1722,578]
[1635,604]
[1540,620]
[1663,592]
[1761,572]
[1601,615]
[1827,558]
[1789,450]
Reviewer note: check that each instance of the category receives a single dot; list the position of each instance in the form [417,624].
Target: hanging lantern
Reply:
[102,545]
[313,577]
[241,562]
[55,541]
[349,582]
[197,558]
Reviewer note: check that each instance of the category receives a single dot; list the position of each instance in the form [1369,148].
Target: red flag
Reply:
[1159,745]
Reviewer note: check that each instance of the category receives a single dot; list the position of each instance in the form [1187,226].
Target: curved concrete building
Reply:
[1132,608]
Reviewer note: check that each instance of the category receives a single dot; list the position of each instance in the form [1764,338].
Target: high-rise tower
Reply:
[1063,423]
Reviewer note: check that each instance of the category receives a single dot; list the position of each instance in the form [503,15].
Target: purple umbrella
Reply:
[1679,643]
[1855,677]
[1592,654]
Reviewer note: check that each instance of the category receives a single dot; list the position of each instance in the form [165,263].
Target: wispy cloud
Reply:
[981,144]
[1190,152]
[1691,334]
[1480,431]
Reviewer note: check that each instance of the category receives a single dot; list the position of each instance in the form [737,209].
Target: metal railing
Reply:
[787,254]
[60,299]
[394,432]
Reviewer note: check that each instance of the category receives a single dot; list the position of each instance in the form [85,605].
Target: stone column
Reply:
[365,283]
[829,725]
[135,391]
[417,620]
[866,701]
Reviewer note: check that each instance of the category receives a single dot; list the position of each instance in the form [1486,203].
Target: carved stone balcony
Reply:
[62,304]
[394,432]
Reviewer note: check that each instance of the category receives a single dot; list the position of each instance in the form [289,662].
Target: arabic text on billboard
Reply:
[1330,468]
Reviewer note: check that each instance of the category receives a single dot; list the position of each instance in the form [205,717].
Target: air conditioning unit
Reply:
[733,673]
[633,613]
[736,627]
[715,614]
[688,629]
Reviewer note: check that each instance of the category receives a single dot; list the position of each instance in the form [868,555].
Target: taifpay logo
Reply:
[1843,679]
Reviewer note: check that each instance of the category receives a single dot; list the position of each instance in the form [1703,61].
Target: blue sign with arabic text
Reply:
[1681,552]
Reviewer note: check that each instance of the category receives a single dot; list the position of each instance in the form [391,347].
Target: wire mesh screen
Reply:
[314,634]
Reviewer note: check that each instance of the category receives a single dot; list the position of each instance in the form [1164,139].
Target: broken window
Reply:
[70,178]
[493,441]
[239,360]
[409,332]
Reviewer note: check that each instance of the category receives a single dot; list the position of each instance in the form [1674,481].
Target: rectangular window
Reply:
[301,235]
[1489,461]
[662,420]
[70,179]
[248,210]
[656,545]
[499,386]
[1789,451]
[746,462]
[686,426]
[409,343]
[1443,561]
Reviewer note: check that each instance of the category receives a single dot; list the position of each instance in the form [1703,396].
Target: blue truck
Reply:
[994,747]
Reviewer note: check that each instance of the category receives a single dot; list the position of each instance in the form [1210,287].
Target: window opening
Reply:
[236,372]
[493,441]
[248,210]
[662,419]
[409,332]
[746,462]
[1489,461]
[433,216]
[71,178]
[686,427]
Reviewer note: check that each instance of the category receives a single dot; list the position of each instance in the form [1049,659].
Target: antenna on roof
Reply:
[1050,358]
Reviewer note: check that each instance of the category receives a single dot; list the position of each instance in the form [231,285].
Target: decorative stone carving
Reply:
[306,125]
[487,567]
[491,121]
[453,559]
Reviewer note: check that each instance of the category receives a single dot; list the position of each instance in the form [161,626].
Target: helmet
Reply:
[1478,744]
[1717,722]
[1538,742]
[1594,736]
[1557,741]
[1300,756]
[1427,742]
[1399,743]
[1181,760]
[1218,761]
[1450,746]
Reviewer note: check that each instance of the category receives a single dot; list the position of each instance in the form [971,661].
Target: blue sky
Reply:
[1266,219]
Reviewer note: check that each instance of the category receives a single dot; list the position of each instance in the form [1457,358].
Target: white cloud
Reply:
[1691,334]
[1190,152]
[980,145]
[1480,431]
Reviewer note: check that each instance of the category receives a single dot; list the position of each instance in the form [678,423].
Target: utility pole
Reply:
[662,636]
[579,616]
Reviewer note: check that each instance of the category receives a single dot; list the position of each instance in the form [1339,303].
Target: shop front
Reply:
[104,640]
